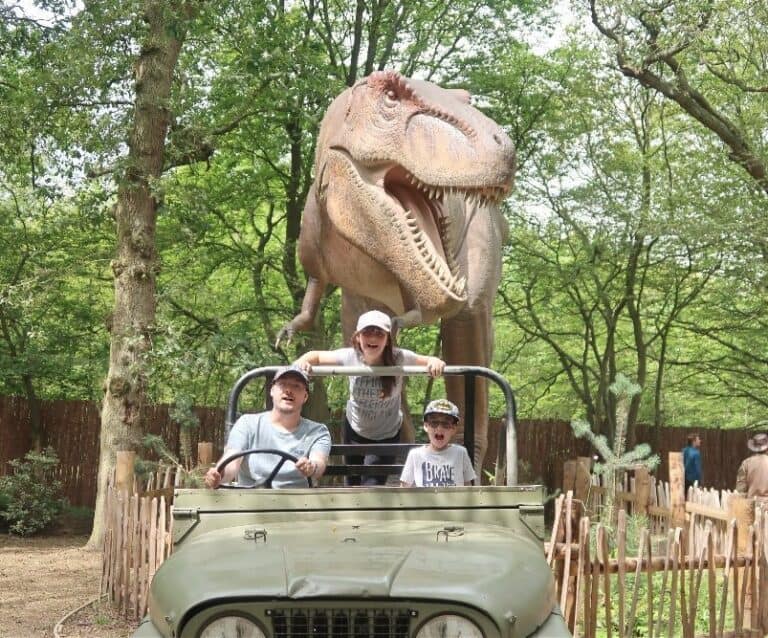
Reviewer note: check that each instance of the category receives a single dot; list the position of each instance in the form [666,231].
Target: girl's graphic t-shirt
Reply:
[369,413]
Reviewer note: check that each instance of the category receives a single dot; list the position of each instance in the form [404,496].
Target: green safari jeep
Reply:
[358,562]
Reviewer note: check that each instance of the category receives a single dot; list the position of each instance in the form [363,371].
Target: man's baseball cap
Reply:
[374,318]
[442,406]
[292,370]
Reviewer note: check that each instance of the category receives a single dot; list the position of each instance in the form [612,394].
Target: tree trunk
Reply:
[35,418]
[135,266]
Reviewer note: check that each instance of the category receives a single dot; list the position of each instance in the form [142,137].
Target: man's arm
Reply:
[313,465]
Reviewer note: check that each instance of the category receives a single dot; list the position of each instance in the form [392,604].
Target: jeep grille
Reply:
[340,623]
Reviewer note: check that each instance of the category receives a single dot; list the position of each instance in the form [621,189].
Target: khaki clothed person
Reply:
[752,476]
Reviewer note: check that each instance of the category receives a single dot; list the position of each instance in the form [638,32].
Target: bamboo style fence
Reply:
[663,504]
[623,582]
[137,539]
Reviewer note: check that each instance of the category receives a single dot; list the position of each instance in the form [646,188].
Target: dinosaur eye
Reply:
[390,98]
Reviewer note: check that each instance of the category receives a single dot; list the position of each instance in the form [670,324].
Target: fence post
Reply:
[124,470]
[762,585]
[582,480]
[642,490]
[743,510]
[204,453]
[677,488]
[569,475]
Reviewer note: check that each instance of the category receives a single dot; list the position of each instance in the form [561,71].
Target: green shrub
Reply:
[32,493]
[4,500]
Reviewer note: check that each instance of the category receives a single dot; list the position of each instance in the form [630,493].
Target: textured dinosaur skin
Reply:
[403,216]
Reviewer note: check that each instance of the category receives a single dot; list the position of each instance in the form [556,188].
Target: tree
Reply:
[52,294]
[600,270]
[706,57]
[135,266]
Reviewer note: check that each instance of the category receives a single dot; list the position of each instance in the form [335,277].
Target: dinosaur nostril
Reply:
[497,138]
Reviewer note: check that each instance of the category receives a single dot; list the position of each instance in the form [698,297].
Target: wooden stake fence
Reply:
[137,540]
[613,583]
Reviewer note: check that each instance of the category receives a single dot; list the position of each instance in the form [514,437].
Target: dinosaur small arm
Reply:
[404,216]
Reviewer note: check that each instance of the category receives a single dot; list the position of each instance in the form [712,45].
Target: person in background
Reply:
[282,428]
[692,461]
[373,413]
[752,475]
[440,463]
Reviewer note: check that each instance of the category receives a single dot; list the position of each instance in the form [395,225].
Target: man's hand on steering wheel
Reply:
[212,478]
[306,466]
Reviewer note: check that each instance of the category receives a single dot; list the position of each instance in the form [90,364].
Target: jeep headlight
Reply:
[232,627]
[449,625]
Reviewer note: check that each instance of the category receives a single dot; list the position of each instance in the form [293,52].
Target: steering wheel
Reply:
[267,484]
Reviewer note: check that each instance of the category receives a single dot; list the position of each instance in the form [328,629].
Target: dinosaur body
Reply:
[403,216]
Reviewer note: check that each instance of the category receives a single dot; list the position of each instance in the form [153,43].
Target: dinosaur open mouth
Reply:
[425,225]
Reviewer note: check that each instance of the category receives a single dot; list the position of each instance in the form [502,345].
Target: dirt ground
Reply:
[42,579]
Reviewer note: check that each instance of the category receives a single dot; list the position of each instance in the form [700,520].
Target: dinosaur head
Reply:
[396,159]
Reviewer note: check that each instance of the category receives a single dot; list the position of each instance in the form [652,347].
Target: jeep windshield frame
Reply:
[506,457]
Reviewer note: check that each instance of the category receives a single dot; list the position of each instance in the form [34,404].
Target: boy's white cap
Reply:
[376,319]
[442,406]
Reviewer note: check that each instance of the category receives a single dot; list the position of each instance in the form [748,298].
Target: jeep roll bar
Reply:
[506,457]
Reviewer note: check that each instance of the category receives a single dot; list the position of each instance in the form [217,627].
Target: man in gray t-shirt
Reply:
[282,428]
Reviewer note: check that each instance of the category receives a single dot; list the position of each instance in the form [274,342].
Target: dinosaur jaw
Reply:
[425,231]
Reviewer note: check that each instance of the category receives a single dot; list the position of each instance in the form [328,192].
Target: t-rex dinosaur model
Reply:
[403,216]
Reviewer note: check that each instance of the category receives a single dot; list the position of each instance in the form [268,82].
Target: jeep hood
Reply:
[469,564]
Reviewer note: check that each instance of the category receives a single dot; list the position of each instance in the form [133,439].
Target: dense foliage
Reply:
[637,245]
[30,497]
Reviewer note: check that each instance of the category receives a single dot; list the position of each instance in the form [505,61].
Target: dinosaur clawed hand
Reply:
[398,323]
[302,321]
[285,335]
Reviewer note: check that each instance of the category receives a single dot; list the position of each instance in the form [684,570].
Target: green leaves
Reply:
[30,495]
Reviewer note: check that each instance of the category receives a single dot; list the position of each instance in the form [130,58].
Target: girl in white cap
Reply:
[373,413]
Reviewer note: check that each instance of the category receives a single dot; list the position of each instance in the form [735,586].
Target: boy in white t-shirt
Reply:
[439,463]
